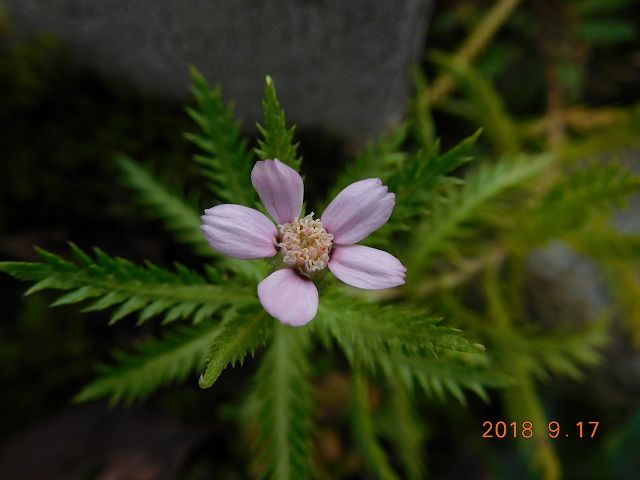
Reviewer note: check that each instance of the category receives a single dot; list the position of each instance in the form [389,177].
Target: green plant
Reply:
[394,341]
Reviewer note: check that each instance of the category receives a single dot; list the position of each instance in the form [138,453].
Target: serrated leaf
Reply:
[226,160]
[484,185]
[283,396]
[242,332]
[178,216]
[156,362]
[277,140]
[120,282]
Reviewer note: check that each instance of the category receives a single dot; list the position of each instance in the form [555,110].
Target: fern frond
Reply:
[448,374]
[574,200]
[448,220]
[156,362]
[241,333]
[558,352]
[408,432]
[179,216]
[418,182]
[359,325]
[277,140]
[148,291]
[410,345]
[364,432]
[284,397]
[226,160]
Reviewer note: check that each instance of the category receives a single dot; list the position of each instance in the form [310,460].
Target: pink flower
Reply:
[306,246]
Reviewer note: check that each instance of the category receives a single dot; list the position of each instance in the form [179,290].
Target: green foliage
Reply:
[424,127]
[561,351]
[408,434]
[607,31]
[483,104]
[148,291]
[241,333]
[575,199]
[449,220]
[604,243]
[179,216]
[625,286]
[365,434]
[155,362]
[284,396]
[602,22]
[419,182]
[277,140]
[405,344]
[521,399]
[565,352]
[226,160]
[447,216]
[378,159]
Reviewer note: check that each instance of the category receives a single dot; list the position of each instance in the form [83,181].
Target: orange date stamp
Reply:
[525,429]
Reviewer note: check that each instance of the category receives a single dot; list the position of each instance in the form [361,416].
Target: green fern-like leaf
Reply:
[226,160]
[561,351]
[419,181]
[242,332]
[405,344]
[277,140]
[575,199]
[448,221]
[109,281]
[373,453]
[179,216]
[567,352]
[283,394]
[408,432]
[359,325]
[156,362]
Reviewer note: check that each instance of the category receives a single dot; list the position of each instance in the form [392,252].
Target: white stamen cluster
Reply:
[305,244]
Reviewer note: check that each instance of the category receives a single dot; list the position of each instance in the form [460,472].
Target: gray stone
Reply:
[342,66]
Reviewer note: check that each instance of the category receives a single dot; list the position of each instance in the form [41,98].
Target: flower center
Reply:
[305,244]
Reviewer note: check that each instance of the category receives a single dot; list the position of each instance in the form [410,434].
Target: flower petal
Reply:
[289,297]
[239,231]
[366,267]
[280,188]
[358,210]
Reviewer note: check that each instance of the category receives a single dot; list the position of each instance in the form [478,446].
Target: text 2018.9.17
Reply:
[502,429]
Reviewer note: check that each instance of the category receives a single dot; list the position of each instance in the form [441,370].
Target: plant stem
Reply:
[477,40]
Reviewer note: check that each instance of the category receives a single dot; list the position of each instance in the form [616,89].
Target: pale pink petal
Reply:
[366,267]
[358,210]
[239,231]
[289,297]
[280,188]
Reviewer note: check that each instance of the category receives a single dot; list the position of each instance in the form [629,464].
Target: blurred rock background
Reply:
[343,67]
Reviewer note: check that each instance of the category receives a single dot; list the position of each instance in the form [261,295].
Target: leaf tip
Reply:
[204,382]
